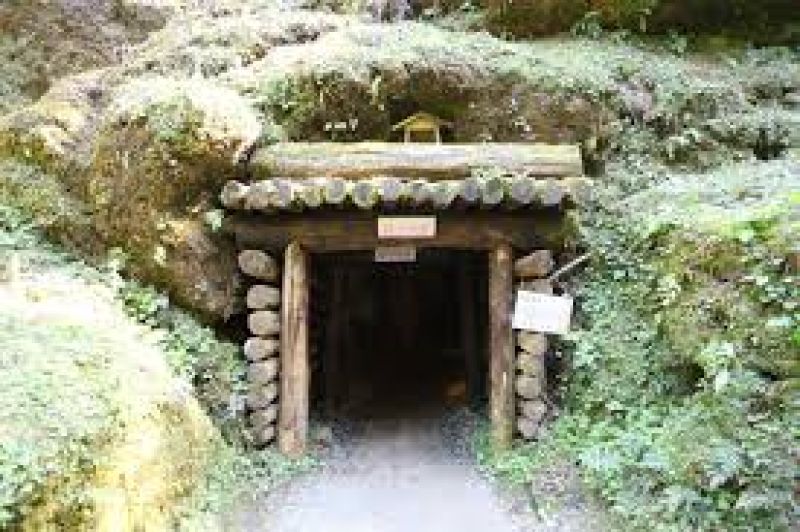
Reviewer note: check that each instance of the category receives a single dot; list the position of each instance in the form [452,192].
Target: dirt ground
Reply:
[414,473]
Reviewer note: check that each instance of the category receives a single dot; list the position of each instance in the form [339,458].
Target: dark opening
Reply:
[395,339]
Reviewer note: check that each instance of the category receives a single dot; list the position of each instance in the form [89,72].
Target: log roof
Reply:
[390,193]
[380,176]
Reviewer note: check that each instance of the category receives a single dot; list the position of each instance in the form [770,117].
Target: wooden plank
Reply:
[430,161]
[502,346]
[358,231]
[293,419]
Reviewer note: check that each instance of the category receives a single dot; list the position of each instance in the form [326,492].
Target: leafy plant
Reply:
[678,394]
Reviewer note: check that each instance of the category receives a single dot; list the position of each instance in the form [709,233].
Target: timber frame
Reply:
[298,216]
[344,231]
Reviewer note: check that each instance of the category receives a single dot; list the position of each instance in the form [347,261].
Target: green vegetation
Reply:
[215,368]
[680,394]
[72,337]
[57,410]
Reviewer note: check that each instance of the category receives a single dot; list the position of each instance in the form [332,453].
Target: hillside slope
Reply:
[678,390]
[97,431]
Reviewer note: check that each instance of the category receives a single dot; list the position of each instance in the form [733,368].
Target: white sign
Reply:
[406,227]
[396,254]
[542,313]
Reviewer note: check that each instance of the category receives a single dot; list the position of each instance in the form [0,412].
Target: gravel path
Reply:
[410,474]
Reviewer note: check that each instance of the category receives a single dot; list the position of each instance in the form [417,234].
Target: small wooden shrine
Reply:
[463,222]
[422,127]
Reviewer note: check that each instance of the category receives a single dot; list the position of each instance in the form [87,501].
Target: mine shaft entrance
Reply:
[397,339]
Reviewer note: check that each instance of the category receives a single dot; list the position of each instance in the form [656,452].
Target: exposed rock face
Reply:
[163,153]
[535,17]
[538,17]
[50,39]
[146,159]
[353,84]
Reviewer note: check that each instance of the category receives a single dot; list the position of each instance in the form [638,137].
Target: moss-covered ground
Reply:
[118,411]
[680,383]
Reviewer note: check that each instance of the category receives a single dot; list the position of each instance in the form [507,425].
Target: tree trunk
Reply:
[335,191]
[431,161]
[364,194]
[233,195]
[258,196]
[262,372]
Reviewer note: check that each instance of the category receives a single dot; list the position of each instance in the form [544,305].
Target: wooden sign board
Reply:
[398,227]
[396,254]
[542,313]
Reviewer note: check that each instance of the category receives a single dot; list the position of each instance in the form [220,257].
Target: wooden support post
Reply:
[502,346]
[293,420]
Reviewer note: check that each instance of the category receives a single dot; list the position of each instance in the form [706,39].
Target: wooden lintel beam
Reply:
[332,232]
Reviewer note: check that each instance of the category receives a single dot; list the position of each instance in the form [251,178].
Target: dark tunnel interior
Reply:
[397,339]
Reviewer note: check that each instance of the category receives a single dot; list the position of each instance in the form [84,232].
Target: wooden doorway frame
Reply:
[295,382]
[497,234]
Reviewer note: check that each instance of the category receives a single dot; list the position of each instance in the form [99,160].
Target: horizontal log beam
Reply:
[282,194]
[356,231]
[433,161]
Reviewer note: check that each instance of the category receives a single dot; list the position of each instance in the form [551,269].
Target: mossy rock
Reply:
[41,42]
[98,434]
[528,18]
[764,21]
[355,83]
[145,160]
[164,152]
